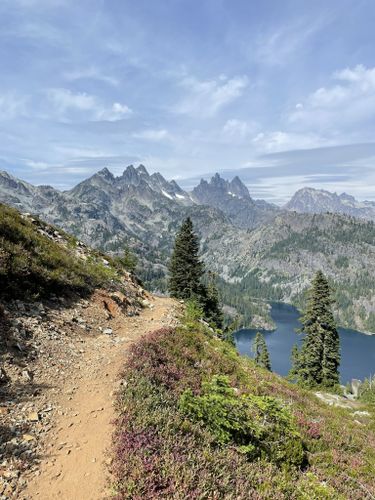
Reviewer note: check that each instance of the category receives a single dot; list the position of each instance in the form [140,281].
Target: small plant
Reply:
[257,425]
[261,354]
[193,312]
[367,391]
[128,260]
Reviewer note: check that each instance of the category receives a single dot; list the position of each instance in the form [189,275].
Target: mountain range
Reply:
[317,201]
[258,250]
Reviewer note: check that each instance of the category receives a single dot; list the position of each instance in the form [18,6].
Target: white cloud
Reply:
[12,106]
[152,135]
[207,97]
[269,142]
[66,101]
[239,129]
[92,73]
[37,165]
[348,103]
[116,112]
[277,47]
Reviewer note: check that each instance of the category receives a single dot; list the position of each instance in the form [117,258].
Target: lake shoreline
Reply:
[268,321]
[357,347]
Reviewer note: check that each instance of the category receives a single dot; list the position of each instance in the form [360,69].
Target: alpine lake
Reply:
[357,348]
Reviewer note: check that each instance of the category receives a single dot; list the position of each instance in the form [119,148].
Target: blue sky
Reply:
[284,89]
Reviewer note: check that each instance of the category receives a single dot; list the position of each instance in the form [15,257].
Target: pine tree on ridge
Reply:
[319,357]
[261,354]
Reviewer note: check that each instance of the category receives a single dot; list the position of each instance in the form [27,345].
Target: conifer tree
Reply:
[294,360]
[129,260]
[319,358]
[261,354]
[209,299]
[185,269]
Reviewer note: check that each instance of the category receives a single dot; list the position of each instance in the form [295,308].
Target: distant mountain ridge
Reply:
[314,201]
[257,249]
[233,198]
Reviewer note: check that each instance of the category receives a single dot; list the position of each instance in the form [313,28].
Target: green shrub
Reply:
[33,264]
[258,425]
[367,391]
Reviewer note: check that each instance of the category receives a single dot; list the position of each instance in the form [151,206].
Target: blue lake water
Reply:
[357,349]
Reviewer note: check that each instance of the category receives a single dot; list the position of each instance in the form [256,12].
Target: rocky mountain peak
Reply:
[105,174]
[132,175]
[158,177]
[219,182]
[238,188]
[221,187]
[310,200]
[141,169]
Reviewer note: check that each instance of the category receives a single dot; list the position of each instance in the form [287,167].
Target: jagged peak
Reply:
[141,169]
[217,178]
[239,188]
[129,169]
[203,182]
[158,177]
[175,186]
[104,172]
[7,175]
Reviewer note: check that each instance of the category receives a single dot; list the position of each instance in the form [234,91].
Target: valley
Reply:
[87,353]
[260,252]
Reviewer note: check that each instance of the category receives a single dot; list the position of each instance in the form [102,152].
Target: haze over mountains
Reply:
[258,250]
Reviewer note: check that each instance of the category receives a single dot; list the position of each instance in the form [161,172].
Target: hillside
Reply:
[67,314]
[197,421]
[193,419]
[277,260]
[257,250]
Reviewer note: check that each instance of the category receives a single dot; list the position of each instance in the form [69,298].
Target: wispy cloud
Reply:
[348,101]
[239,129]
[207,97]
[152,135]
[12,106]
[273,141]
[66,101]
[91,73]
[278,46]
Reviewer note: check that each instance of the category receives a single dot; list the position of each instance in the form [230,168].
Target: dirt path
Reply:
[74,466]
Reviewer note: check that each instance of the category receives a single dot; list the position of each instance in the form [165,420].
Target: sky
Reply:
[280,92]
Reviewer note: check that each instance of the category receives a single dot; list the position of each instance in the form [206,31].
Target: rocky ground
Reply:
[59,364]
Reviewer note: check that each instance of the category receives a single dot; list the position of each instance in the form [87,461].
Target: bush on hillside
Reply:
[31,264]
[257,425]
[198,421]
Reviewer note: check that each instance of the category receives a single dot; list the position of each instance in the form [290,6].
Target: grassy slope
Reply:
[37,260]
[162,451]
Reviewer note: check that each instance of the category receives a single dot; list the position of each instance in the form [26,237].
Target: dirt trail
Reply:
[74,466]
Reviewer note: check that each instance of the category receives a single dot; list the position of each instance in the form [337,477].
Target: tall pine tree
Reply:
[209,299]
[261,354]
[186,272]
[185,268]
[319,357]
